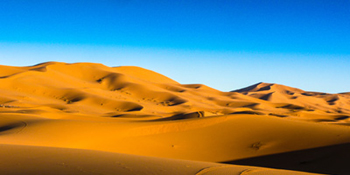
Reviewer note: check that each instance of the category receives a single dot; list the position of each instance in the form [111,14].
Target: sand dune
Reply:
[67,116]
[47,160]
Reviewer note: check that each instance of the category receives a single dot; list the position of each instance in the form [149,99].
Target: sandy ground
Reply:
[85,118]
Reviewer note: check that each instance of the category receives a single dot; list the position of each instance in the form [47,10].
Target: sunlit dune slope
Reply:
[95,89]
[43,160]
[107,113]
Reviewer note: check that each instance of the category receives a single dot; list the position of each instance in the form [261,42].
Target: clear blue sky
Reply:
[223,44]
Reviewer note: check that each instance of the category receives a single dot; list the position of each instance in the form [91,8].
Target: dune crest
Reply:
[101,112]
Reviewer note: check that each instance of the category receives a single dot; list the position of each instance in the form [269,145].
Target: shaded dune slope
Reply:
[322,160]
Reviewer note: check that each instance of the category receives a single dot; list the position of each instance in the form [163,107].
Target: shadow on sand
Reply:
[327,160]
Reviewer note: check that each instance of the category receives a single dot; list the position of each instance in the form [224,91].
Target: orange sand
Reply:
[84,118]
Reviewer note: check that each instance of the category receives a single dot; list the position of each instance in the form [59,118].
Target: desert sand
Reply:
[87,118]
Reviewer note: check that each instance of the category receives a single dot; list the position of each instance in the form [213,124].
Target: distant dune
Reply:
[86,118]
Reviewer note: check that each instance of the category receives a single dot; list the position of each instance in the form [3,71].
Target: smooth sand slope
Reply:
[43,160]
[84,118]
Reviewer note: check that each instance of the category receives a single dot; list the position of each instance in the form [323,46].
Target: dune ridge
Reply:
[93,110]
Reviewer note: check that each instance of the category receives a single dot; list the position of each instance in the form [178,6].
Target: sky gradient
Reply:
[223,44]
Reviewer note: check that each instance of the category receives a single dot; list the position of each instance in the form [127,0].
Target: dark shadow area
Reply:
[173,101]
[137,108]
[293,107]
[278,115]
[253,105]
[248,112]
[268,87]
[266,97]
[181,116]
[332,100]
[341,117]
[327,160]
[247,89]
[313,93]
[8,127]
[289,92]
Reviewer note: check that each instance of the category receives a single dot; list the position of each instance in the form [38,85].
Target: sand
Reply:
[87,118]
